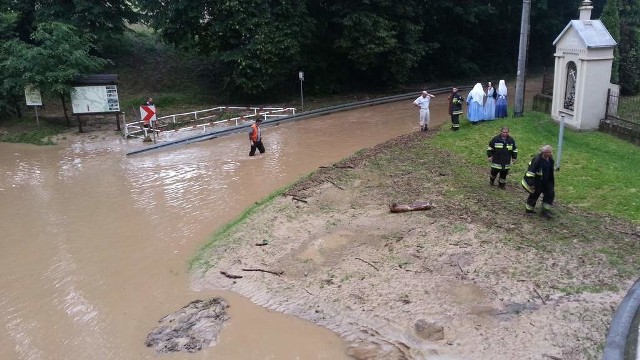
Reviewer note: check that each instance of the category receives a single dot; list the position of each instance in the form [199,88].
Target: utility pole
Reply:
[522,58]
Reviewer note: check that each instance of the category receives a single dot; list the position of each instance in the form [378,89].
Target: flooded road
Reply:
[96,244]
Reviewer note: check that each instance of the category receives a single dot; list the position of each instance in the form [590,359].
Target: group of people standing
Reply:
[487,105]
[502,151]
[481,105]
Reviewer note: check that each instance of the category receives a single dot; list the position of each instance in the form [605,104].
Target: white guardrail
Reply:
[167,123]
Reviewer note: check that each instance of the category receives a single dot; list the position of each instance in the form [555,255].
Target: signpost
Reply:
[95,94]
[148,114]
[301,77]
[148,117]
[33,98]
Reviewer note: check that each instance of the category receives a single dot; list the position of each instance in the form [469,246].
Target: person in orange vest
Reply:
[255,136]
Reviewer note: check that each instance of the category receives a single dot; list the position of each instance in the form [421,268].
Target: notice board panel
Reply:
[95,99]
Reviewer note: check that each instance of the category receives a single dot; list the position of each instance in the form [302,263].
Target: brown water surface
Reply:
[95,243]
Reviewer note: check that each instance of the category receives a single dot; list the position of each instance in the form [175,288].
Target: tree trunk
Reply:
[17,104]
[64,109]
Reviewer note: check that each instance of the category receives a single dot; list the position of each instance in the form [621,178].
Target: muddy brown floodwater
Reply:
[95,244]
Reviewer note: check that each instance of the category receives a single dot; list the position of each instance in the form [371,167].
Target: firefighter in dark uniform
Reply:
[455,108]
[539,179]
[502,153]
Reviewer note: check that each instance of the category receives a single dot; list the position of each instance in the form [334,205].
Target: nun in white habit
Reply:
[475,102]
[501,101]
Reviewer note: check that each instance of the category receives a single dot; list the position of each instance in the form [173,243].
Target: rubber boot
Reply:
[529,210]
[546,211]
[492,181]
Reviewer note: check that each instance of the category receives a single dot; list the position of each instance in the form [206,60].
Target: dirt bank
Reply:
[472,278]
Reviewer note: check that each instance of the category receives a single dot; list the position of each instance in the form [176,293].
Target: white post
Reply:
[560,138]
[301,77]
[37,119]
[152,125]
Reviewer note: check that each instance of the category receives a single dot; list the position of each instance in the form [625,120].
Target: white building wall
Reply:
[595,78]
[592,82]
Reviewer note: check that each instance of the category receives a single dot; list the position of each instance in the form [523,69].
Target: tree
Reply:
[257,44]
[24,46]
[548,18]
[9,87]
[629,47]
[376,42]
[105,20]
[54,59]
[611,21]
[24,14]
[469,37]
[349,44]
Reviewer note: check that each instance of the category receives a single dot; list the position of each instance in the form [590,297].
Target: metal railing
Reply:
[295,117]
[201,119]
[623,108]
[547,82]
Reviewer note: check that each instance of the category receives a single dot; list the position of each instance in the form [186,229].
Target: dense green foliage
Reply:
[56,55]
[48,43]
[255,50]
[611,20]
[255,43]
[629,46]
[339,45]
[105,20]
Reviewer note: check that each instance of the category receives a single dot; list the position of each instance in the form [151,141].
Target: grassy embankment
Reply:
[598,172]
[597,191]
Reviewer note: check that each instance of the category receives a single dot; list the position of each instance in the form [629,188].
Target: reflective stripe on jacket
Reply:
[539,173]
[502,151]
[455,104]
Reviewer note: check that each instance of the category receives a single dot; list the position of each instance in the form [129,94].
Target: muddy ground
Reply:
[471,278]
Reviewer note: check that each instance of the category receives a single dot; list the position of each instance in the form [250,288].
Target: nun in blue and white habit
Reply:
[501,101]
[475,102]
[490,103]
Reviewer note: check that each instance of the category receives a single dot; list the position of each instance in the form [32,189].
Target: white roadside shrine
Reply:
[582,73]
